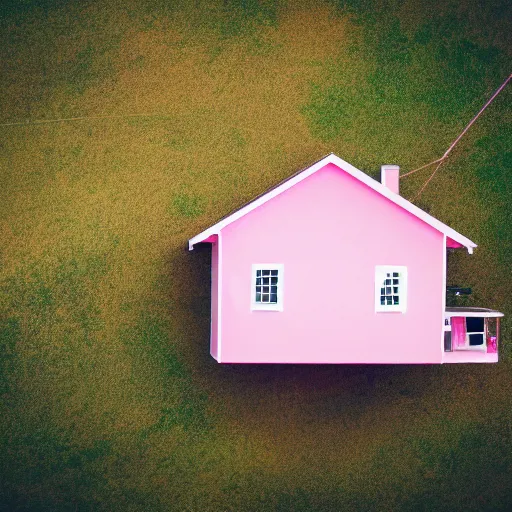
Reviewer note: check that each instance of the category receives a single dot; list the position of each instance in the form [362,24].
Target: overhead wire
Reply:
[83,118]
[440,161]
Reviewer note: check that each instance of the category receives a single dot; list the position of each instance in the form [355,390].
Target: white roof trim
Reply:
[356,173]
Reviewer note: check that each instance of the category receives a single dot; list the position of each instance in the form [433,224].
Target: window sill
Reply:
[260,307]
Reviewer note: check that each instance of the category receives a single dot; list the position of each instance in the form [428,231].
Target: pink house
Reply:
[331,266]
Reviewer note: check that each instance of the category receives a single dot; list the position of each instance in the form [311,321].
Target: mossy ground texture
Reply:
[109,398]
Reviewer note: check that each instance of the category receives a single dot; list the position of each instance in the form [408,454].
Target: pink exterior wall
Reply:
[215,291]
[330,231]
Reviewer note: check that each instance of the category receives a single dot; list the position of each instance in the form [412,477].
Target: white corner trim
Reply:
[443,293]
[356,173]
[219,299]
[383,269]
[257,306]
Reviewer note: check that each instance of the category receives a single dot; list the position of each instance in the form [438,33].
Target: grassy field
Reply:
[109,399]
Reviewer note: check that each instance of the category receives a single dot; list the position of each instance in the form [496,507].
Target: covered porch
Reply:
[471,335]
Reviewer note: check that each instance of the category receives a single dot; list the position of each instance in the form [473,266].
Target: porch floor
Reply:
[470,356]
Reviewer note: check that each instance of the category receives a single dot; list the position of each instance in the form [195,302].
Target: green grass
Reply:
[186,205]
[109,398]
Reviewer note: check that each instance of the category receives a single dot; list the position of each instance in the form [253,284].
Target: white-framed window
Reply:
[475,337]
[267,286]
[390,288]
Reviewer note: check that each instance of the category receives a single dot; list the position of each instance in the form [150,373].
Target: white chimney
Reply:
[390,177]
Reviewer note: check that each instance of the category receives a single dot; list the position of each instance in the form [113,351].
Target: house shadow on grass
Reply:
[316,390]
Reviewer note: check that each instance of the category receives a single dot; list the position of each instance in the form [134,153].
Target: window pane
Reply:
[266,280]
[476,339]
[382,301]
[266,289]
[388,275]
[474,324]
[273,297]
[388,301]
[388,282]
[388,290]
[266,272]
[395,274]
[258,297]
[273,272]
[265,297]
[395,289]
[395,300]
[273,280]
[382,291]
[258,273]
[273,289]
[395,281]
[258,281]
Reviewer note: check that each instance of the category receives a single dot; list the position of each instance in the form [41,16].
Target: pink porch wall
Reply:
[452,243]
[215,288]
[330,231]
